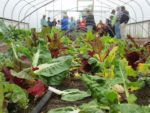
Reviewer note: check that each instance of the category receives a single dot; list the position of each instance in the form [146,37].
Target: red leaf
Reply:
[37,90]
[85,66]
[20,82]
[11,79]
[132,58]
[55,53]
[91,53]
[7,74]
[35,68]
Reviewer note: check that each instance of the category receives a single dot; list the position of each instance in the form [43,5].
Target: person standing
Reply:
[44,22]
[109,28]
[54,22]
[64,23]
[78,25]
[123,21]
[72,24]
[82,25]
[113,20]
[58,25]
[117,24]
[100,28]
[90,21]
[49,23]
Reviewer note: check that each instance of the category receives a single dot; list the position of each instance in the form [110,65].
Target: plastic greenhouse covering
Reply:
[32,10]
[74,56]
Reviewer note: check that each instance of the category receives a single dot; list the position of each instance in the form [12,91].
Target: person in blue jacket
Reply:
[64,23]
[50,24]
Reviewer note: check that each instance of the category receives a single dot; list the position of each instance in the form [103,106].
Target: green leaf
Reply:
[2,79]
[100,91]
[91,107]
[57,79]
[24,74]
[54,68]
[16,94]
[89,36]
[64,110]
[131,99]
[36,58]
[55,72]
[132,108]
[1,95]
[130,71]
[74,95]
[144,69]
[111,96]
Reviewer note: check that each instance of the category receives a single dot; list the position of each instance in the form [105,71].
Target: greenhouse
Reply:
[74,56]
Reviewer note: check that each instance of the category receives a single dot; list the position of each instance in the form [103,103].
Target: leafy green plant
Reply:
[70,94]
[64,110]
[12,93]
[100,90]
[55,72]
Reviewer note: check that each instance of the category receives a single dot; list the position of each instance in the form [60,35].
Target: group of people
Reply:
[87,22]
[64,24]
[115,25]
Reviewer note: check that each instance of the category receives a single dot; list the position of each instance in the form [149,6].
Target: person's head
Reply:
[113,11]
[49,18]
[78,21]
[58,21]
[65,16]
[100,22]
[123,8]
[54,19]
[44,16]
[118,9]
[88,11]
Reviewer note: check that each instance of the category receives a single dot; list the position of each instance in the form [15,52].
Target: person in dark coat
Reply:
[90,21]
[50,24]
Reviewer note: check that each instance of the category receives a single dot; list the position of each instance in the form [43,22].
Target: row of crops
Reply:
[111,69]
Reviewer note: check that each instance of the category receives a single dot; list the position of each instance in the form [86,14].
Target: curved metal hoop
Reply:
[34,11]
[29,3]
[12,12]
[5,8]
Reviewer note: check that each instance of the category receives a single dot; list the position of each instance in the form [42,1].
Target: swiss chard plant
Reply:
[12,94]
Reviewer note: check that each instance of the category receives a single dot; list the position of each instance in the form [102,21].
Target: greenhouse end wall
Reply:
[21,25]
[139,29]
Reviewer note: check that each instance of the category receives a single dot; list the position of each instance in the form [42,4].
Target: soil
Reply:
[143,96]
[56,102]
[3,48]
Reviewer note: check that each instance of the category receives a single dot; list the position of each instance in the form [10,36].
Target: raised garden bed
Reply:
[55,102]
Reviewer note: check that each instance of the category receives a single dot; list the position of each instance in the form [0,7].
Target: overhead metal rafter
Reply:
[92,3]
[36,9]
[115,2]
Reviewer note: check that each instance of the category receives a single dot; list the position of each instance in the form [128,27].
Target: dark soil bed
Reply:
[56,102]
[143,96]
